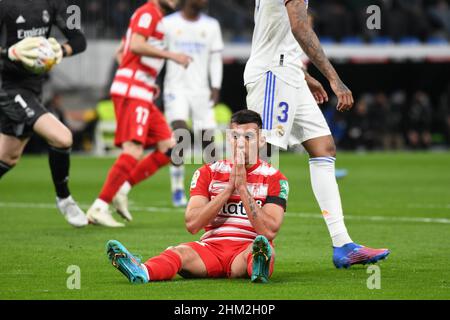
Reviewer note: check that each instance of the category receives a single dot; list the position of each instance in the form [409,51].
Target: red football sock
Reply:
[148,166]
[117,176]
[250,265]
[164,267]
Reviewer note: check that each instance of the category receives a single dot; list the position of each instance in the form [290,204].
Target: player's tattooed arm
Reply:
[308,40]
[266,220]
[201,211]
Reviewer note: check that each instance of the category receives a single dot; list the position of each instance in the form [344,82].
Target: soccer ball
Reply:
[46,58]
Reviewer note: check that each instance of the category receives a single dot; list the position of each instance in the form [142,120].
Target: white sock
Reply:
[125,188]
[177,178]
[143,267]
[326,191]
[99,203]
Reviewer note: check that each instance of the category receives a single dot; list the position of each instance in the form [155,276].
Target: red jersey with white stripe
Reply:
[265,183]
[136,76]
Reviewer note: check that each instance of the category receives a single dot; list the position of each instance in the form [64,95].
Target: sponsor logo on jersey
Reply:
[189,47]
[20,20]
[35,32]
[237,209]
[195,179]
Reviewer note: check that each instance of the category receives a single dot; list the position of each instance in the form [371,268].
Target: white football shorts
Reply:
[199,108]
[290,115]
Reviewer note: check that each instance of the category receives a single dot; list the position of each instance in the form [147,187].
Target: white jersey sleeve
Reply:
[217,41]
[216,59]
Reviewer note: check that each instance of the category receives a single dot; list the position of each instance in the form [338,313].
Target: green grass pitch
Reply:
[400,201]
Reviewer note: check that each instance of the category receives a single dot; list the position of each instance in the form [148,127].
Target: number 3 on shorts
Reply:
[283,118]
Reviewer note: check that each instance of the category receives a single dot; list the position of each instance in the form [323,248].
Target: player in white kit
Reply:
[192,93]
[277,89]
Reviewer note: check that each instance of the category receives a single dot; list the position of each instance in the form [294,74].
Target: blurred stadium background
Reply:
[400,74]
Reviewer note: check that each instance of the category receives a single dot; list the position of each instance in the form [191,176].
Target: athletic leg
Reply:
[119,173]
[181,259]
[11,149]
[177,171]
[256,261]
[322,152]
[315,135]
[59,138]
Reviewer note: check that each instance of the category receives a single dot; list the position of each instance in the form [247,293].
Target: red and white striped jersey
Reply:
[265,183]
[136,76]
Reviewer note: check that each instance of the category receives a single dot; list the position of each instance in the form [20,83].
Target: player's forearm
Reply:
[198,218]
[76,44]
[216,70]
[263,223]
[146,50]
[308,39]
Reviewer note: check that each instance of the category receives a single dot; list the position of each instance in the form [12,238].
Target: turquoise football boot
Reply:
[262,255]
[126,263]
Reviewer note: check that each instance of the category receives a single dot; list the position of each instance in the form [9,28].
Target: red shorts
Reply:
[139,121]
[218,256]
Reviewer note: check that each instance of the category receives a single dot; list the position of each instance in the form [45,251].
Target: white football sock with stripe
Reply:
[177,178]
[326,191]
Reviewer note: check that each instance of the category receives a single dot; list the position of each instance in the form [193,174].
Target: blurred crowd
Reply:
[392,122]
[402,21]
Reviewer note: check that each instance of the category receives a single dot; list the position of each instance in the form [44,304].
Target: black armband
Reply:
[77,42]
[64,51]
[277,200]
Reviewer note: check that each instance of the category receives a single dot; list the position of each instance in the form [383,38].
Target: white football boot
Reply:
[72,212]
[99,214]
[120,202]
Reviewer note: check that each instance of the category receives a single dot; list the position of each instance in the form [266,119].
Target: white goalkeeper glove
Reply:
[25,51]
[57,49]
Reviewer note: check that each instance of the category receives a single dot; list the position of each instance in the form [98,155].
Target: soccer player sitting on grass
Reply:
[239,203]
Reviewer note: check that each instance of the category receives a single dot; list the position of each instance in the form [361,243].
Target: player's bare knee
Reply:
[64,140]
[11,159]
[330,149]
[185,254]
[133,149]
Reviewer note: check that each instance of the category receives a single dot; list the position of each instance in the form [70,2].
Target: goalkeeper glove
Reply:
[25,51]
[57,49]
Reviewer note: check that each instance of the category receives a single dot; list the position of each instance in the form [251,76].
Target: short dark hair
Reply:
[246,116]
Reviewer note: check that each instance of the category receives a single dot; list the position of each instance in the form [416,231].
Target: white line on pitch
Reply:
[305,215]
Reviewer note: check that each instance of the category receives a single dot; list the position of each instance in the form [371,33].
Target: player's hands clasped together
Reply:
[238,177]
[344,95]
[25,51]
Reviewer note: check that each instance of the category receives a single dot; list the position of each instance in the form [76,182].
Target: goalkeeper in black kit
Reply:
[27,26]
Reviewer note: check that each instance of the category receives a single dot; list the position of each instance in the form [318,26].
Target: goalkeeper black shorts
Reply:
[19,111]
